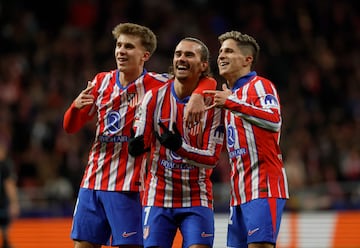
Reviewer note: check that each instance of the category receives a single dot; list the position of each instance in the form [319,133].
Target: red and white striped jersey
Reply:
[180,179]
[253,123]
[110,167]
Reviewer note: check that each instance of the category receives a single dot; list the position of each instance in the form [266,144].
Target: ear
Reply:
[249,59]
[146,56]
[204,65]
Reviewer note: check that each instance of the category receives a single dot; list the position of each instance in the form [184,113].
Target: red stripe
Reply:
[273,212]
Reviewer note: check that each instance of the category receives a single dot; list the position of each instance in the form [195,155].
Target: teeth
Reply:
[182,67]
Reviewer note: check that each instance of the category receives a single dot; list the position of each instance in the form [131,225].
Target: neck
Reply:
[184,88]
[129,77]
[231,79]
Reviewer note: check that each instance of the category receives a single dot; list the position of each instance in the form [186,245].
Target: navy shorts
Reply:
[255,221]
[196,225]
[107,218]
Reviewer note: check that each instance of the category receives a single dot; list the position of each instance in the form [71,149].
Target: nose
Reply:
[181,57]
[120,49]
[220,56]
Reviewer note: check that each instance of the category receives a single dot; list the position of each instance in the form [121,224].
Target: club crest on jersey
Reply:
[195,129]
[270,101]
[112,122]
[132,99]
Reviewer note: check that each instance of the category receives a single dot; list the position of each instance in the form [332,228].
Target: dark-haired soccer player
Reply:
[178,190]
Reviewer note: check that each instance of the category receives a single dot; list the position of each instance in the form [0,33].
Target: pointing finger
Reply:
[210,107]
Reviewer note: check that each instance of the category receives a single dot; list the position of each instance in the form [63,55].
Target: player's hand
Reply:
[219,96]
[136,145]
[171,140]
[194,110]
[85,97]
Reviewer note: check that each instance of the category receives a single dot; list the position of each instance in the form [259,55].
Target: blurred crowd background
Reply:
[309,49]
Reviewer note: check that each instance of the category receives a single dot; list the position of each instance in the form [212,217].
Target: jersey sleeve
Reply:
[206,83]
[208,155]
[258,104]
[75,119]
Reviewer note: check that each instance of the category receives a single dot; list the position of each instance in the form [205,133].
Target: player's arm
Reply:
[195,108]
[81,110]
[262,108]
[264,117]
[206,156]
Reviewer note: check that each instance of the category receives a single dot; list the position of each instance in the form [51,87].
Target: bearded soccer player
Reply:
[178,190]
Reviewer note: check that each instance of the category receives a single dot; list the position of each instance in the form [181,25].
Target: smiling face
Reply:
[187,63]
[130,55]
[232,61]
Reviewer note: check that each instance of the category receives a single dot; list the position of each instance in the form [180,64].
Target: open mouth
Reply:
[182,67]
[222,64]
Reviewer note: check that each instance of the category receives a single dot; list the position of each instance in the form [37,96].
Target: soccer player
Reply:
[108,209]
[253,121]
[178,190]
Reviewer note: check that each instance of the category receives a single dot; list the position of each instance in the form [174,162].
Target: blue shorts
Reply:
[107,218]
[196,225]
[255,221]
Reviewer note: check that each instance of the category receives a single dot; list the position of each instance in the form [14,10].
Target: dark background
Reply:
[309,49]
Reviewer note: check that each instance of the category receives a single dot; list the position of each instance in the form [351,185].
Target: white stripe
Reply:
[186,189]
[98,173]
[168,188]
[285,184]
[90,168]
[260,91]
[250,140]
[202,185]
[173,113]
[269,188]
[152,186]
[113,167]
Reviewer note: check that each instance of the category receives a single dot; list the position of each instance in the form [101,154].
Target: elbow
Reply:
[68,129]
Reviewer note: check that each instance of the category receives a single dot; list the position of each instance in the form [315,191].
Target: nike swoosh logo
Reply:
[126,234]
[251,232]
[205,235]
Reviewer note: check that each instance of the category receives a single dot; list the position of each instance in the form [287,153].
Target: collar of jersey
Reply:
[243,80]
[184,100]
[125,87]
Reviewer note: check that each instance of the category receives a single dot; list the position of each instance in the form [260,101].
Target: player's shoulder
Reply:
[103,74]
[161,77]
[262,79]
[265,82]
